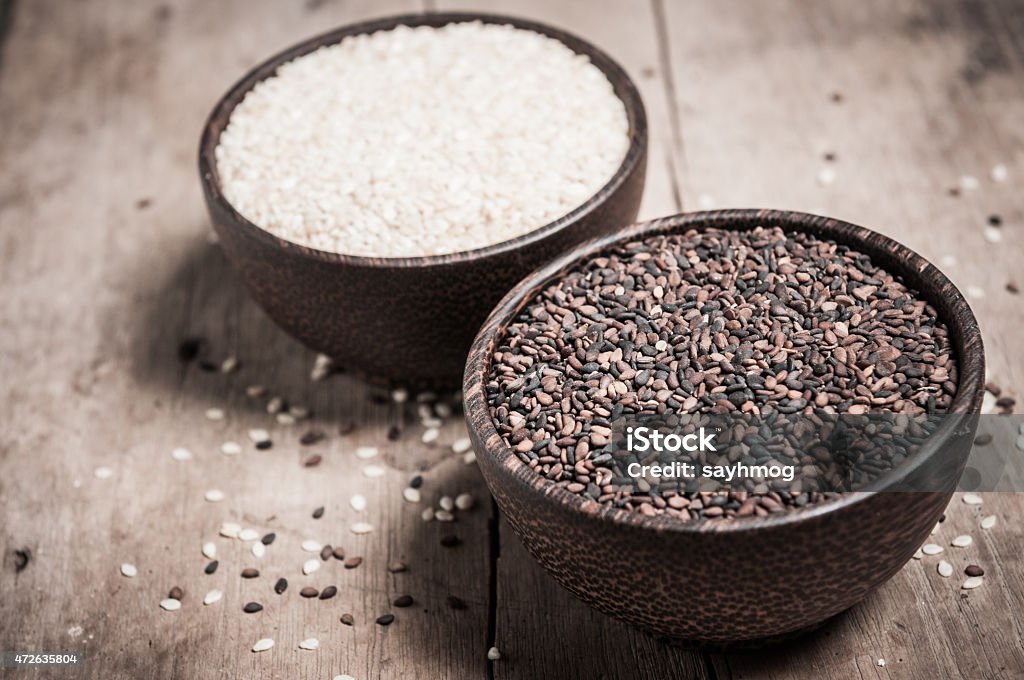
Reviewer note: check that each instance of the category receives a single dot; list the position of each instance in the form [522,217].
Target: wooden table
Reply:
[106,264]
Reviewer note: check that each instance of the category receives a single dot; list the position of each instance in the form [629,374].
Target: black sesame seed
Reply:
[309,591]
[268,538]
[281,585]
[386,619]
[249,572]
[318,513]
[252,607]
[451,541]
[264,444]
[211,567]
[348,619]
[403,601]
[416,482]
[328,592]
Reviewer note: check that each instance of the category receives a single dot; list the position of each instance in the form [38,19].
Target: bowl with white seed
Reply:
[770,315]
[381,186]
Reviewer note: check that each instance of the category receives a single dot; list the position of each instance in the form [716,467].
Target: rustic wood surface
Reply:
[105,265]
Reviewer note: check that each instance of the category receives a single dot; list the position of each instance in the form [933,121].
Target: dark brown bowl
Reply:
[408,319]
[745,579]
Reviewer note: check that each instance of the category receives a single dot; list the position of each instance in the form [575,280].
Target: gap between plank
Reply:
[668,82]
[494,534]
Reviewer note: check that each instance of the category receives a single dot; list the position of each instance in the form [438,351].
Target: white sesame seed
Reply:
[917,554]
[826,176]
[257,435]
[214,414]
[461,445]
[932,549]
[493,654]
[880,663]
[993,234]
[976,292]
[258,549]
[410,494]
[298,412]
[425,411]
[999,173]
[343,676]
[284,419]
[444,516]
[309,644]
[1019,443]
[322,366]
[358,502]
[361,528]
[248,535]
[465,501]
[129,570]
[263,645]
[443,410]
[275,405]
[469,457]
[212,597]
[310,566]
[210,550]
[230,448]
[309,545]
[430,435]
[948,260]
[446,503]
[988,522]
[400,395]
[944,568]
[427,514]
[373,471]
[230,530]
[962,541]
[972,583]
[367,452]
[181,454]
[103,472]
[936,528]
[254,391]
[214,496]
[705,201]
[968,182]
[170,604]
[229,365]
[972,499]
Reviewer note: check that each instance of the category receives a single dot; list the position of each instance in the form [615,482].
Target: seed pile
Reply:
[750,322]
[422,141]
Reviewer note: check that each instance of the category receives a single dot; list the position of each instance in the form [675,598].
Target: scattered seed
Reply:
[968,183]
[397,567]
[322,367]
[386,619]
[309,591]
[181,454]
[361,528]
[298,412]
[427,514]
[248,535]
[353,562]
[358,503]
[285,419]
[972,499]
[309,545]
[493,654]
[275,405]
[189,348]
[313,460]
[976,292]
[465,501]
[281,585]
[129,570]
[983,439]
[258,549]
[446,503]
[917,554]
[880,663]
[230,530]
[229,365]
[945,569]
[367,452]
[310,566]
[935,529]
[263,645]
[469,457]
[170,604]
[254,391]
[176,593]
[999,173]
[411,494]
[214,414]
[268,538]
[211,567]
[249,572]
[230,448]
[416,482]
[328,592]
[318,513]
[962,541]
[1012,287]
[932,549]
[264,445]
[312,437]
[103,472]
[826,176]
[456,603]
[348,619]
[326,552]
[394,432]
[212,597]
[258,435]
[993,234]
[451,541]
[339,553]
[974,570]
[214,495]
[461,445]
[373,471]
[444,516]
[310,644]
[988,522]
[430,435]
[403,601]
[972,582]
[252,607]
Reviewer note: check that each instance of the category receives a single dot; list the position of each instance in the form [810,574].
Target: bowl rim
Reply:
[624,89]
[899,260]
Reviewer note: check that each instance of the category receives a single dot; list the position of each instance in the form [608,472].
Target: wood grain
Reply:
[105,265]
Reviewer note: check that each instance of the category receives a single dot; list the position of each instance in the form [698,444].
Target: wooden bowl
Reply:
[407,319]
[746,579]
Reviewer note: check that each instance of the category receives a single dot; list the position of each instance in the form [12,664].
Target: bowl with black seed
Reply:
[381,221]
[753,312]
